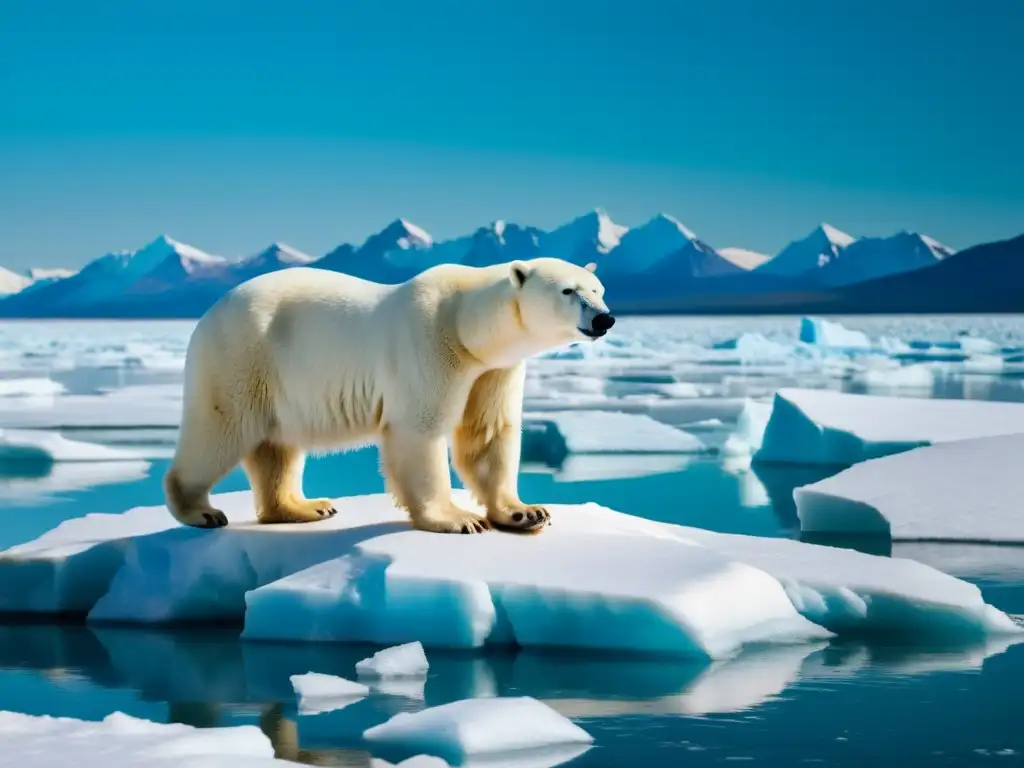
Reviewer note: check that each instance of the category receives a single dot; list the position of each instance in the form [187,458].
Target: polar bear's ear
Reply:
[591,267]
[518,272]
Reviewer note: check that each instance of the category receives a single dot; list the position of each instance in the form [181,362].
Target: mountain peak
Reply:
[833,235]
[407,235]
[665,222]
[285,253]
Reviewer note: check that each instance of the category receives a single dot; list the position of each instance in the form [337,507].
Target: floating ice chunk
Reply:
[825,333]
[326,693]
[967,491]
[407,660]
[31,388]
[373,579]
[49,447]
[156,405]
[471,728]
[983,364]
[127,742]
[918,376]
[565,432]
[751,348]
[750,427]
[416,761]
[834,428]
[975,345]
[33,486]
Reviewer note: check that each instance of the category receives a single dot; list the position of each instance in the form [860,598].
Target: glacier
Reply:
[966,491]
[364,575]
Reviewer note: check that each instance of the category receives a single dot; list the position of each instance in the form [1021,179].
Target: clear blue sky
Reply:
[229,125]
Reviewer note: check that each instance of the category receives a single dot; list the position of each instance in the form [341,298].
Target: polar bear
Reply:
[305,359]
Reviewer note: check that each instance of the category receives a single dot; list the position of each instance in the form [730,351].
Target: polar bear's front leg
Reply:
[487,446]
[416,469]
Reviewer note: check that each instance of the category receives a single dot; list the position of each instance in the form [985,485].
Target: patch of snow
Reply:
[128,742]
[834,428]
[325,693]
[407,660]
[743,258]
[12,282]
[471,728]
[968,490]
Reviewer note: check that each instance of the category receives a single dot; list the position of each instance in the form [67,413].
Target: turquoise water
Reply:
[835,704]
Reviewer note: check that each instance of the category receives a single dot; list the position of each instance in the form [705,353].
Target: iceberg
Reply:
[325,693]
[834,428]
[965,491]
[128,742]
[595,579]
[825,333]
[407,660]
[472,728]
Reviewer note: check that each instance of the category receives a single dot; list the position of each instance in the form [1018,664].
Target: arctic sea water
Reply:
[846,703]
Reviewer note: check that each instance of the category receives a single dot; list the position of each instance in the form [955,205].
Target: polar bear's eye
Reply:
[567,291]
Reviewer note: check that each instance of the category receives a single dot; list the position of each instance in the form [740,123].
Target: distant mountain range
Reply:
[657,267]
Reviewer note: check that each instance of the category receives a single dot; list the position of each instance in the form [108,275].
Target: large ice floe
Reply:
[595,579]
[810,426]
[128,742]
[967,491]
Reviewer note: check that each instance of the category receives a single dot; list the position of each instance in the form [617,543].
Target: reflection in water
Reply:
[208,678]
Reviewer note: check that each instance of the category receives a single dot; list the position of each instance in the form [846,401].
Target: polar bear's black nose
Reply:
[602,323]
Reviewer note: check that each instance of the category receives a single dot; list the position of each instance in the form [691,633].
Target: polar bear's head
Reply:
[560,302]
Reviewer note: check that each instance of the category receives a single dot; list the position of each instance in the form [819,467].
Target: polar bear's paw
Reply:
[299,511]
[202,517]
[451,520]
[525,518]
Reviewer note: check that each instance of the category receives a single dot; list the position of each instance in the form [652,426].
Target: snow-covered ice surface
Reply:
[560,433]
[479,727]
[41,446]
[318,692]
[406,660]
[824,427]
[969,490]
[128,742]
[595,579]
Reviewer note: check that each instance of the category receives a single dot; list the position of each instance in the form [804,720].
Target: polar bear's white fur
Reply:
[306,359]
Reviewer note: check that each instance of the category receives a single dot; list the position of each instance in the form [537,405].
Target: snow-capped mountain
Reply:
[872,257]
[820,247]
[642,247]
[588,238]
[12,282]
[103,279]
[181,265]
[40,274]
[743,258]
[660,265]
[501,242]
